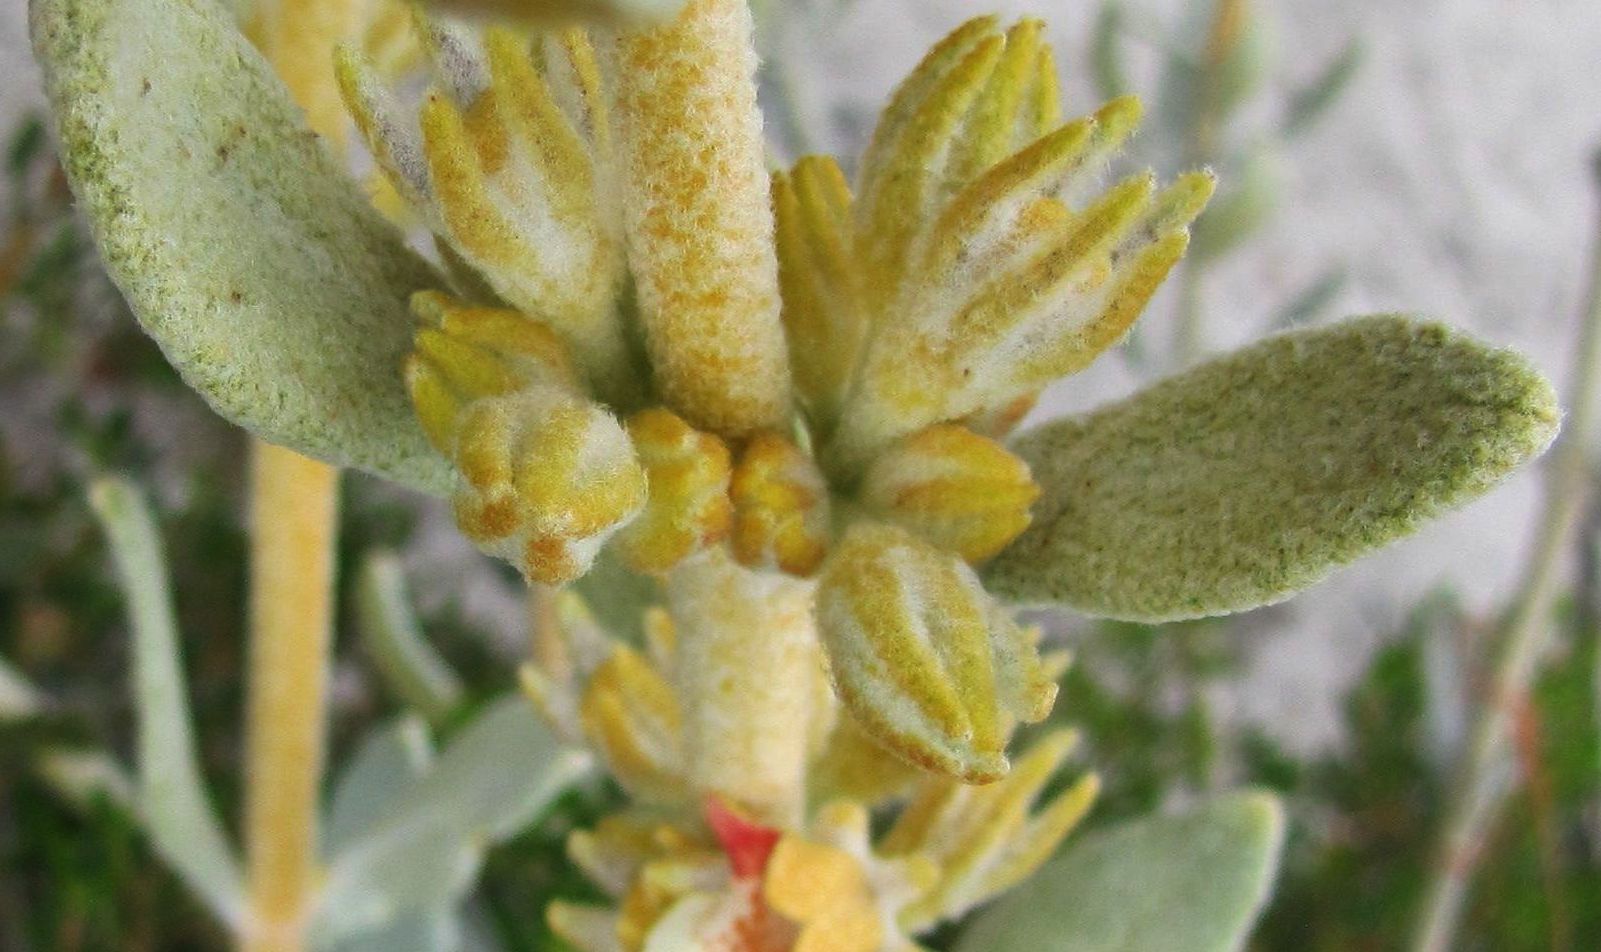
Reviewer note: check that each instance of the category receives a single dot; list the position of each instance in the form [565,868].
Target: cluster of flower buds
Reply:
[691,865]
[657,344]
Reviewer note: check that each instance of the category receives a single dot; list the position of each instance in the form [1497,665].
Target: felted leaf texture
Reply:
[1252,476]
[241,245]
[1193,882]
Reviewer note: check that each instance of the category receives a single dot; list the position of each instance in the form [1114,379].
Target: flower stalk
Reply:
[1488,771]
[293,526]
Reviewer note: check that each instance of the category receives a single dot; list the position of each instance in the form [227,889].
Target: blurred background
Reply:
[1430,156]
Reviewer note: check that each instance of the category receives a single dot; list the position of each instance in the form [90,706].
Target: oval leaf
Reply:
[1250,477]
[243,247]
[1193,882]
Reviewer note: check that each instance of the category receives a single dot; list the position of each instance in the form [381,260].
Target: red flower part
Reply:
[747,843]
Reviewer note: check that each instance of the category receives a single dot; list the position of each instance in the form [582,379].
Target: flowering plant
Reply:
[787,401]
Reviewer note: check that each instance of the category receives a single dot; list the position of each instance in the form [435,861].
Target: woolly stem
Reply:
[294,521]
[292,526]
[1488,774]
[749,675]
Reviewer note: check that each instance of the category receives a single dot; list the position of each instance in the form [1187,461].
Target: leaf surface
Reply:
[244,249]
[1250,477]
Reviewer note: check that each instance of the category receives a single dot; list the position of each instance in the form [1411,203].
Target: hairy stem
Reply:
[750,676]
[1488,773]
[292,526]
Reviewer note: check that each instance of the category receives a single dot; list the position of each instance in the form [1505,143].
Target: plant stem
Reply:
[749,674]
[1487,777]
[292,526]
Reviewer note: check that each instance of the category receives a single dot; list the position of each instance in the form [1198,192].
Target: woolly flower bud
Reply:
[780,507]
[546,478]
[688,509]
[698,217]
[953,488]
[463,352]
[922,657]
[503,163]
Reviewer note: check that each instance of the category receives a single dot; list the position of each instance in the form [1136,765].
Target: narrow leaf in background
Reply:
[172,796]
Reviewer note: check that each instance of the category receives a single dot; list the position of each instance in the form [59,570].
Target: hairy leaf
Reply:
[171,796]
[242,246]
[1250,477]
[419,857]
[1194,881]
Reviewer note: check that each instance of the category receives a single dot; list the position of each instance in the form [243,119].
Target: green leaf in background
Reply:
[245,250]
[394,640]
[1313,301]
[422,853]
[19,699]
[618,598]
[171,795]
[414,933]
[1241,209]
[1312,103]
[1106,52]
[1194,882]
[1241,481]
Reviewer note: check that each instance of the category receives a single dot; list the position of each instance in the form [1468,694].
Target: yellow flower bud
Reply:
[546,478]
[698,217]
[688,509]
[503,163]
[631,716]
[781,510]
[953,488]
[922,657]
[987,839]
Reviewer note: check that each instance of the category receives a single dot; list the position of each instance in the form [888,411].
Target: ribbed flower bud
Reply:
[462,352]
[503,163]
[953,488]
[781,510]
[922,657]
[688,509]
[546,478]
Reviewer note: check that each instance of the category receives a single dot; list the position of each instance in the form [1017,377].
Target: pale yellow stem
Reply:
[750,677]
[292,525]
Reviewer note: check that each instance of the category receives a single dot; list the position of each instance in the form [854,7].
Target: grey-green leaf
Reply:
[1245,205]
[245,250]
[422,853]
[1193,882]
[1241,481]
[390,759]
[172,797]
[394,639]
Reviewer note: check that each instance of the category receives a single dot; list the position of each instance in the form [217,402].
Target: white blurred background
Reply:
[1452,179]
